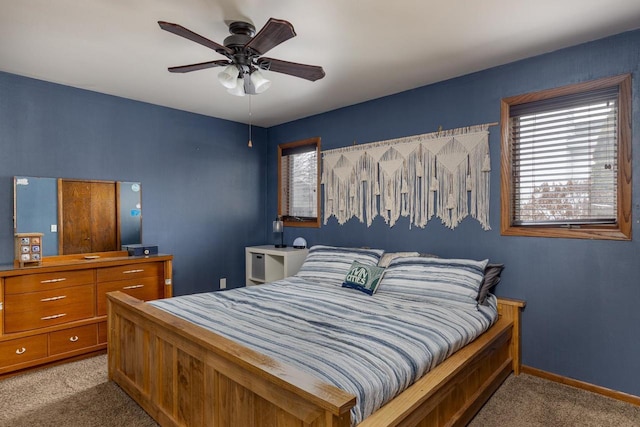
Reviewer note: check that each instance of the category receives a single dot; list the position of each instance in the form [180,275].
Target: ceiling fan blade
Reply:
[190,35]
[308,72]
[200,66]
[274,32]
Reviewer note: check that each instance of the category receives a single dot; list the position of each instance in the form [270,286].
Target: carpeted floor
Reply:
[78,394]
[75,394]
[529,401]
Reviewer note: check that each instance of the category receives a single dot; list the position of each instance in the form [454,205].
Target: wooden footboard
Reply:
[454,391]
[184,375]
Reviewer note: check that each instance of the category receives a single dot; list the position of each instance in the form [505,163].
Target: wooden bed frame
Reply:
[184,375]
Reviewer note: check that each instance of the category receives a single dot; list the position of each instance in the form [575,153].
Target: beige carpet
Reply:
[75,394]
[78,394]
[529,401]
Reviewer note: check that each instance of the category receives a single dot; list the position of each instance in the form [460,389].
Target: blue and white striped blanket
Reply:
[371,346]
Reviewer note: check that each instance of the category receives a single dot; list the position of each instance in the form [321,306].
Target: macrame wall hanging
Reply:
[444,173]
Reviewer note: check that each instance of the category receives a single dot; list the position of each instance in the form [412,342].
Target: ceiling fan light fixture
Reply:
[229,77]
[238,89]
[260,83]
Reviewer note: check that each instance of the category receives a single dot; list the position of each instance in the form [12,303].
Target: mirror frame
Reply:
[135,211]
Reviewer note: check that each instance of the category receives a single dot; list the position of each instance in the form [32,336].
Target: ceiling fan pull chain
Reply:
[250,143]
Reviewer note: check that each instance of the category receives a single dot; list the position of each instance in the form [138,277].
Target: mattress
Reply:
[372,346]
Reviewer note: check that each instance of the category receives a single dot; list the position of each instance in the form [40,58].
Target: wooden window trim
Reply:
[619,231]
[309,141]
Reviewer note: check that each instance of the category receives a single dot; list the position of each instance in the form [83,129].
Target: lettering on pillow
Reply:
[365,278]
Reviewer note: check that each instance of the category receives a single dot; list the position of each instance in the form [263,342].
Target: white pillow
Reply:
[330,264]
[387,257]
[443,281]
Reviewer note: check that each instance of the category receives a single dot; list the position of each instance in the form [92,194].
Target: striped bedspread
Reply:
[371,346]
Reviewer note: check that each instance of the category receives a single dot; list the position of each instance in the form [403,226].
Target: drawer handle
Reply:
[133,287]
[73,338]
[21,350]
[55,316]
[62,279]
[53,298]
[138,270]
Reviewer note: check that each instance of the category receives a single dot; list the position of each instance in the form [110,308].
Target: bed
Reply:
[185,367]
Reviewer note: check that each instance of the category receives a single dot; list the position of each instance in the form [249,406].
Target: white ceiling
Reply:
[368,48]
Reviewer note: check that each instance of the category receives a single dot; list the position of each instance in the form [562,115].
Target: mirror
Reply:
[78,216]
[130,213]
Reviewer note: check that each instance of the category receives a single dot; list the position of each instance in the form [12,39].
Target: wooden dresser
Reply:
[58,310]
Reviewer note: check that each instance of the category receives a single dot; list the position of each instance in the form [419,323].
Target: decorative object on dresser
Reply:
[57,309]
[28,248]
[268,263]
[139,249]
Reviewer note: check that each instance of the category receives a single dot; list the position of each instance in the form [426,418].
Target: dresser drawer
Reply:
[145,289]
[73,339]
[130,271]
[44,281]
[23,350]
[23,312]
[103,332]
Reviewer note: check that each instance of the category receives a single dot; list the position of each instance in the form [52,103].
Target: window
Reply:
[566,161]
[299,183]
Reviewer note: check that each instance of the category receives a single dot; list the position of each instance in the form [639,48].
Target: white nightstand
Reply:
[267,263]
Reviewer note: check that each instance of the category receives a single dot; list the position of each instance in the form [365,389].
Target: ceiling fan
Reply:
[244,49]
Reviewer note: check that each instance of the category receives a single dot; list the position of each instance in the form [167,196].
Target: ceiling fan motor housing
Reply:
[241,34]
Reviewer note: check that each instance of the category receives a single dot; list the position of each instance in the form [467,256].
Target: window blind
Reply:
[564,159]
[300,176]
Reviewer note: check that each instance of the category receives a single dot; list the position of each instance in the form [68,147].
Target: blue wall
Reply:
[203,189]
[582,314]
